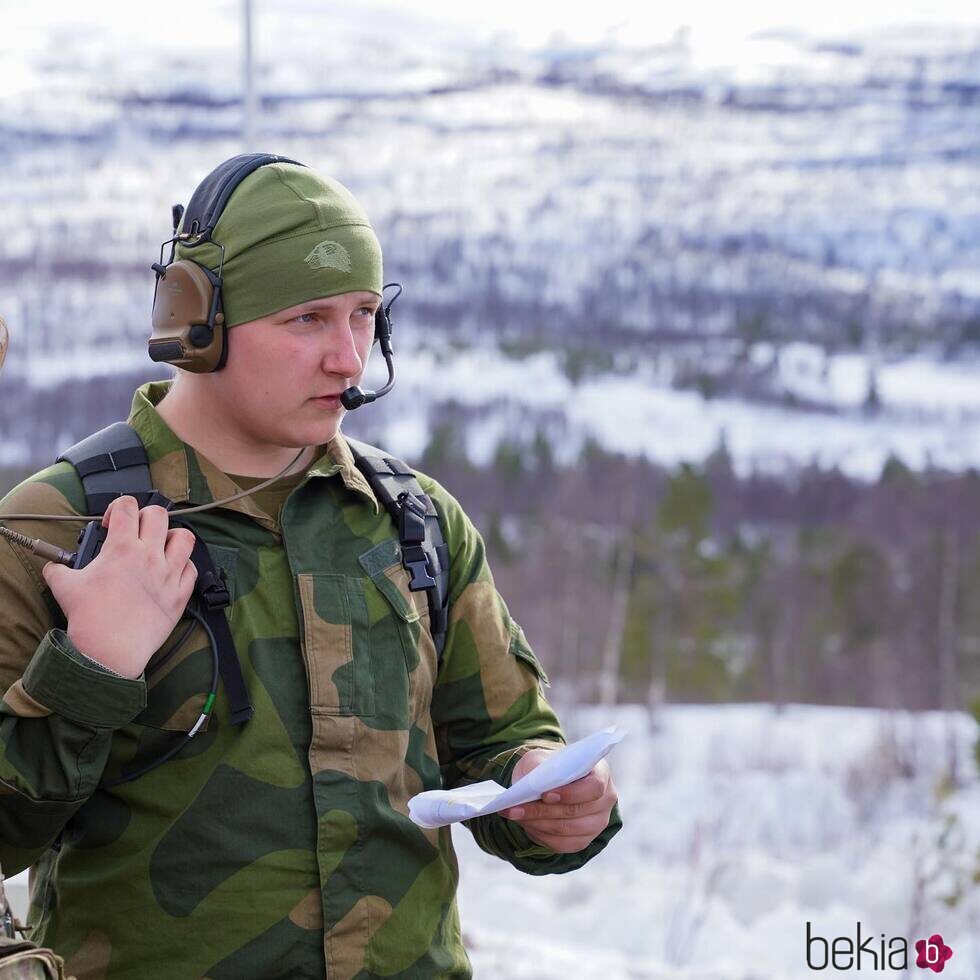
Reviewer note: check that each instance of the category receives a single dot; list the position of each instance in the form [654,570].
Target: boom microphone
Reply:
[355,397]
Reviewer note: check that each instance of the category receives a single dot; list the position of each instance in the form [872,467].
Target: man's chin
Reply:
[325,429]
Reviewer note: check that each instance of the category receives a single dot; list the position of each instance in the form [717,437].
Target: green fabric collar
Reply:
[183,474]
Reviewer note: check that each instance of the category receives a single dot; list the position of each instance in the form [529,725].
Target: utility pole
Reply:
[250,112]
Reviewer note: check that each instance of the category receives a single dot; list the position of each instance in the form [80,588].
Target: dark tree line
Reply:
[641,583]
[807,587]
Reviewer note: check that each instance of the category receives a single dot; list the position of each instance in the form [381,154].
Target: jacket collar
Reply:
[185,475]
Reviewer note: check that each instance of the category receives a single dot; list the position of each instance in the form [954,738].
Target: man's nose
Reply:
[341,356]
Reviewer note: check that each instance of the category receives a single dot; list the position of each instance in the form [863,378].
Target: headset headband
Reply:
[188,321]
[212,193]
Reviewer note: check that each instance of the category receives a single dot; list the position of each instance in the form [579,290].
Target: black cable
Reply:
[208,705]
[155,665]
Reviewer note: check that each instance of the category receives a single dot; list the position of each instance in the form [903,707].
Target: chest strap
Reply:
[113,463]
[423,548]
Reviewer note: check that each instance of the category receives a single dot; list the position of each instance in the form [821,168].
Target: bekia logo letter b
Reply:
[933,953]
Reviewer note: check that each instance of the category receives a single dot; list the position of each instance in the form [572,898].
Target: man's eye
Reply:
[299,319]
[365,311]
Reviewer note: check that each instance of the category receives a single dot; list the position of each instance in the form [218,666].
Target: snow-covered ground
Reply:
[930,409]
[742,824]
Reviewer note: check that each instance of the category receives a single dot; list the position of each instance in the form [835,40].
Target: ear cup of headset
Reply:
[188,322]
[188,325]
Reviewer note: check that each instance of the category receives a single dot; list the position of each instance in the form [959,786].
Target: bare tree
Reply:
[947,641]
[622,578]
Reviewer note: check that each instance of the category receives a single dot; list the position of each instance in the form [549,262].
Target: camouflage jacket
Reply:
[281,848]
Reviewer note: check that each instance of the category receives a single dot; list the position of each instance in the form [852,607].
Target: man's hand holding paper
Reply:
[578,774]
[570,817]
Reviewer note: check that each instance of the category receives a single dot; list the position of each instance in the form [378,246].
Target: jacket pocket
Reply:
[383,565]
[403,655]
[335,644]
[520,648]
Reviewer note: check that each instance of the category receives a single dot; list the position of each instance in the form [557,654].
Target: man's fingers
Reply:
[52,572]
[121,517]
[589,787]
[570,818]
[180,544]
[187,579]
[556,811]
[154,524]
[588,827]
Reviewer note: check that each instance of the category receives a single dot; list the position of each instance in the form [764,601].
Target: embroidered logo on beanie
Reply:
[330,255]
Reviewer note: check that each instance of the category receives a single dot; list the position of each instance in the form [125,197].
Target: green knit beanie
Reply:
[290,236]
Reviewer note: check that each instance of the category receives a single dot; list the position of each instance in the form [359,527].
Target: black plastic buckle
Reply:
[416,561]
[213,590]
[411,519]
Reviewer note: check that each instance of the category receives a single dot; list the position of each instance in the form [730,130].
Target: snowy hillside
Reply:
[677,229]
[740,826]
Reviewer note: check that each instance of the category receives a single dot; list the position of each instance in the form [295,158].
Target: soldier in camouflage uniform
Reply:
[283,847]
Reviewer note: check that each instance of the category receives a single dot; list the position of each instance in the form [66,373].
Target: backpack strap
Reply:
[423,548]
[211,589]
[113,463]
[110,463]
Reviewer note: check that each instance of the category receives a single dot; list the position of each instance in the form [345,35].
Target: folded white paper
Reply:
[438,807]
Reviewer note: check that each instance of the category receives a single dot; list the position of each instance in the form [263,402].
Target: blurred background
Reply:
[690,326]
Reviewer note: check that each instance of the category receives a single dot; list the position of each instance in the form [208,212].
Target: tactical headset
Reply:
[188,320]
